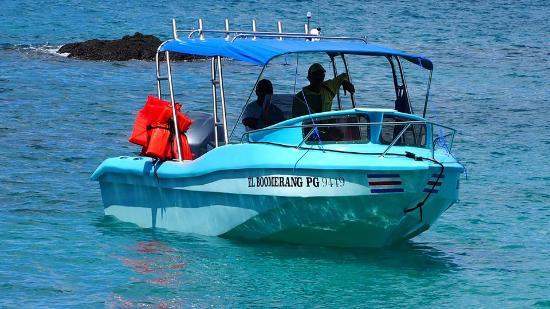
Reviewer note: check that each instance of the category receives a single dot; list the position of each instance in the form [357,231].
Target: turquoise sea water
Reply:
[61,117]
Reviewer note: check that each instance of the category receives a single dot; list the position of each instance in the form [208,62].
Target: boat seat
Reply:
[284,103]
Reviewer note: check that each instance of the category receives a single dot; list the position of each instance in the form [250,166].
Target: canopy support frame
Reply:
[168,78]
[214,100]
[173,101]
[217,86]
[404,81]
[222,97]
[427,94]
[335,72]
[349,77]
[394,76]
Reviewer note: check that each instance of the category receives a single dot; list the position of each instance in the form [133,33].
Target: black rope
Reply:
[157,162]
[420,204]
[156,165]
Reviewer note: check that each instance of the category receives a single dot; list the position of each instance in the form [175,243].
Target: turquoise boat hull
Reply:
[268,192]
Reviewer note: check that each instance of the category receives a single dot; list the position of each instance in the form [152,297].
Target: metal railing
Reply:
[280,34]
[296,36]
[436,140]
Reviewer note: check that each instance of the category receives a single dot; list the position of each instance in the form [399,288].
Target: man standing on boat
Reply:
[318,96]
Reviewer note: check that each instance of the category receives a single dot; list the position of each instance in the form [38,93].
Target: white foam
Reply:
[42,49]
[48,49]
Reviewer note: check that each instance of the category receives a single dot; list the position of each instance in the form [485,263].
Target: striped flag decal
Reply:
[385,183]
[432,181]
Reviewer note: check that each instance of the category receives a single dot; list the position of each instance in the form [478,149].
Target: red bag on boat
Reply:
[139,133]
[157,110]
[184,122]
[159,142]
[186,153]
[153,129]
[154,110]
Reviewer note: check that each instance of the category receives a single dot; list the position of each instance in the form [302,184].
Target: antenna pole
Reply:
[201,33]
[227,29]
[254,28]
[308,15]
[280,28]
[174,29]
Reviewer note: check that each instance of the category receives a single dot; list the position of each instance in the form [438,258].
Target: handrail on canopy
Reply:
[265,45]
[246,33]
[261,50]
[297,36]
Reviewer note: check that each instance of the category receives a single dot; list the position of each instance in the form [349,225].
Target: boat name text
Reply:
[295,181]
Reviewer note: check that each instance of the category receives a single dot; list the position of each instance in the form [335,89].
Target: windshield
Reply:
[336,132]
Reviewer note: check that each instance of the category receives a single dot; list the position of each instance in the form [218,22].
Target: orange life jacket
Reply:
[153,130]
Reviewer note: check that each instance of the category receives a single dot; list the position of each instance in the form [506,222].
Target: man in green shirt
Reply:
[318,96]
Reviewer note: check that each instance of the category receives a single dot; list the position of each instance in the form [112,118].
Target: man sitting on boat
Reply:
[262,112]
[318,96]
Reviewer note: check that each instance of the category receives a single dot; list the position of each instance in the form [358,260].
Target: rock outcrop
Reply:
[137,46]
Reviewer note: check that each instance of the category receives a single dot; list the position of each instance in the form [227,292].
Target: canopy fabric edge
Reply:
[261,51]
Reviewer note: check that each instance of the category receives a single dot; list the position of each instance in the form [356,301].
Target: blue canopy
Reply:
[261,51]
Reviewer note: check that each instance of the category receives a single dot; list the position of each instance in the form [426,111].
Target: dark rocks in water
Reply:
[137,46]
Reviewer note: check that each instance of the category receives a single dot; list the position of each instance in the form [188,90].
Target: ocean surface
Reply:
[60,117]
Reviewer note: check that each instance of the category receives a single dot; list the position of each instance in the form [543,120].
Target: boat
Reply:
[355,176]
